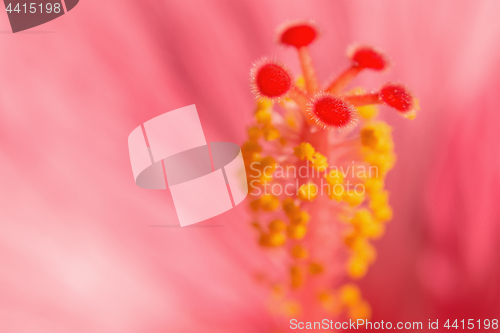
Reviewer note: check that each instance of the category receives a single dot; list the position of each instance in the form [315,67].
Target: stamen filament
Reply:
[308,69]
[361,100]
[344,79]
[300,97]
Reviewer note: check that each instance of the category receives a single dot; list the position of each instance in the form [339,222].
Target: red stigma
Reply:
[368,57]
[330,111]
[298,34]
[397,97]
[271,80]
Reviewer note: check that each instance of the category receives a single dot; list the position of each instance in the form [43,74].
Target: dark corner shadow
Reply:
[187,227]
[9,32]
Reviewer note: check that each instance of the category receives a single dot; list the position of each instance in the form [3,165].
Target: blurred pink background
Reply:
[81,249]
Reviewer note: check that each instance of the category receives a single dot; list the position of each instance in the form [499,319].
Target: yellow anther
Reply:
[296,231]
[272,240]
[304,151]
[265,178]
[353,198]
[383,161]
[350,294]
[283,141]
[300,82]
[266,166]
[296,275]
[254,133]
[357,267]
[367,111]
[375,230]
[289,207]
[315,268]
[255,205]
[383,213]
[299,252]
[308,192]
[362,310]
[373,185]
[264,103]
[269,202]
[350,238]
[367,225]
[251,147]
[364,250]
[271,133]
[335,191]
[319,162]
[334,177]
[377,136]
[277,226]
[362,217]
[379,204]
[249,158]
[411,115]
[300,218]
[263,116]
[379,199]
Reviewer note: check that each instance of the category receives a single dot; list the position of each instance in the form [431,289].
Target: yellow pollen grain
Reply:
[263,116]
[296,276]
[272,240]
[300,218]
[334,177]
[300,82]
[349,294]
[289,207]
[304,151]
[315,268]
[251,147]
[319,162]
[361,310]
[296,231]
[254,133]
[353,198]
[308,192]
[264,104]
[269,202]
[357,267]
[299,252]
[367,111]
[374,185]
[377,136]
[277,226]
[271,133]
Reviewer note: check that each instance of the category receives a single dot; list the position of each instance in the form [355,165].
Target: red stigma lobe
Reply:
[299,35]
[397,97]
[272,80]
[331,111]
[368,57]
